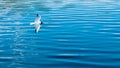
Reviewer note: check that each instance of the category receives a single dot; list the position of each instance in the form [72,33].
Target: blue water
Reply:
[75,34]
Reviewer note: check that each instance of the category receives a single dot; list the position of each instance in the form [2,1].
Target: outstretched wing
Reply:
[37,27]
[32,23]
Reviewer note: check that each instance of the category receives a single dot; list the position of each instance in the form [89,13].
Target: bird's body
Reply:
[37,23]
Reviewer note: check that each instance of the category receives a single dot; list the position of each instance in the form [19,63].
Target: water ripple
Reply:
[75,33]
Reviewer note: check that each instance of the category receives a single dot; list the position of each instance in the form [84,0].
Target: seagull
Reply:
[37,23]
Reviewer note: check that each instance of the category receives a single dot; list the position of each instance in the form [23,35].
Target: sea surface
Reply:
[74,34]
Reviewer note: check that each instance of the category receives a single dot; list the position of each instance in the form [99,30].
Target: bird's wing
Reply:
[32,23]
[37,27]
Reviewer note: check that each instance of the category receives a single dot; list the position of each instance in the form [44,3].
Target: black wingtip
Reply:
[41,22]
[35,31]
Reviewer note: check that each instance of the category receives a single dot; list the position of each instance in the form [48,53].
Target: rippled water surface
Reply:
[75,34]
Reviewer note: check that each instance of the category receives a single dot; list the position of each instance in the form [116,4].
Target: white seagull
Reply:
[37,23]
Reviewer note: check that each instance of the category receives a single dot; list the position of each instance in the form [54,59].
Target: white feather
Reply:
[37,23]
[32,23]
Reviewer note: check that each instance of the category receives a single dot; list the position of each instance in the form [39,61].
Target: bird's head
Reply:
[37,15]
